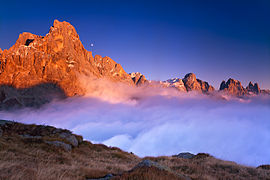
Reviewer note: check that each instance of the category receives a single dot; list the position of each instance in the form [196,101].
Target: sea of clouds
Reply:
[151,121]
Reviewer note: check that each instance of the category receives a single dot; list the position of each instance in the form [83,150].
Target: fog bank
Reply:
[154,121]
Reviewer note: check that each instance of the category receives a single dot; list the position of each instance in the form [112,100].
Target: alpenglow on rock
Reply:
[54,61]
[191,84]
[253,89]
[188,83]
[138,78]
[175,83]
[233,87]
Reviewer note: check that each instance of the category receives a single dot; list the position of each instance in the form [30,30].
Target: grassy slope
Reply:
[30,158]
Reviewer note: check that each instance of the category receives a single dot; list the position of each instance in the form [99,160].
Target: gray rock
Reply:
[265,167]
[149,163]
[3,122]
[30,137]
[184,155]
[69,138]
[63,145]
[107,177]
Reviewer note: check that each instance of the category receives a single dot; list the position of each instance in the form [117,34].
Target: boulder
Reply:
[48,134]
[149,163]
[265,167]
[184,155]
[107,177]
[148,169]
[66,147]
[202,156]
[69,138]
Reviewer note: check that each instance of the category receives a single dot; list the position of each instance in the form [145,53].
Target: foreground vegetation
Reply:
[43,152]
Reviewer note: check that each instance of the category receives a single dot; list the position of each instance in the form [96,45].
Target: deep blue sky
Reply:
[161,39]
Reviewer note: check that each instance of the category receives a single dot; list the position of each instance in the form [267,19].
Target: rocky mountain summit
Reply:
[37,69]
[174,83]
[192,83]
[235,88]
[56,60]
[138,78]
[189,83]
[253,88]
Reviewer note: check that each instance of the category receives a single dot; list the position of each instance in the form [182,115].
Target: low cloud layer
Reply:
[154,121]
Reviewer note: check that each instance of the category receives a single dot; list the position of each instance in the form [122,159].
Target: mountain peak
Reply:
[138,78]
[189,83]
[58,58]
[233,87]
[253,88]
[190,77]
[63,28]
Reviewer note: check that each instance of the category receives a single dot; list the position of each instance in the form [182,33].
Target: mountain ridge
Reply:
[59,58]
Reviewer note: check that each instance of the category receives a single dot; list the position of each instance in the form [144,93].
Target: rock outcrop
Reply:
[205,87]
[57,137]
[233,87]
[148,169]
[184,155]
[189,83]
[138,78]
[58,58]
[265,166]
[253,89]
[175,83]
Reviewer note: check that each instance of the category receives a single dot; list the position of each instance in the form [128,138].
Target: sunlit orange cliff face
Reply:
[59,58]
[37,68]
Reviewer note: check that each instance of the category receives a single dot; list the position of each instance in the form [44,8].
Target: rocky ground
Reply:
[44,152]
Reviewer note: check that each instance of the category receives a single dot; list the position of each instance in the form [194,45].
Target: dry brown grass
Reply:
[149,173]
[208,167]
[33,159]
[28,159]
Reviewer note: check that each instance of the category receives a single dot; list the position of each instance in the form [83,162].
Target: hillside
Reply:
[44,152]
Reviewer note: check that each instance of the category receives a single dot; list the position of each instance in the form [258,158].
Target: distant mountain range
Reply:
[191,83]
[37,69]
